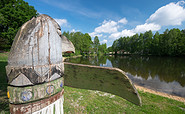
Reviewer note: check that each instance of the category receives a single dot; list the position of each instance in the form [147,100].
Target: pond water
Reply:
[164,74]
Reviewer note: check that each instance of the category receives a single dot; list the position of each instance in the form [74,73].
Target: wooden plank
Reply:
[111,80]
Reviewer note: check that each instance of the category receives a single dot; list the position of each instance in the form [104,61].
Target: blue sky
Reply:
[112,19]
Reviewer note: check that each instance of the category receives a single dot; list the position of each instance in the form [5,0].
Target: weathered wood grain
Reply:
[111,80]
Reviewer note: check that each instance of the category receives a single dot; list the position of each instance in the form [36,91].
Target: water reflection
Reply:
[166,74]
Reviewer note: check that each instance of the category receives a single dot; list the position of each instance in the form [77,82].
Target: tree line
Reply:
[170,43]
[84,45]
[13,14]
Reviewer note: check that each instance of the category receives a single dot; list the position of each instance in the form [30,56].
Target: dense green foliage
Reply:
[96,43]
[13,14]
[171,42]
[84,45]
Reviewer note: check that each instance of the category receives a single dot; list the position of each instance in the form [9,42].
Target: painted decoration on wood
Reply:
[33,93]
[35,67]
[45,106]
[112,80]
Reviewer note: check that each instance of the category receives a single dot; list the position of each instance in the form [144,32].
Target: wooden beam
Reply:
[111,80]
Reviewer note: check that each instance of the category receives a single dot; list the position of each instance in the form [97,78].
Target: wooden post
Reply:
[35,67]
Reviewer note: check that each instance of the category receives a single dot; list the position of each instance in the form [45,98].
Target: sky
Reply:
[112,19]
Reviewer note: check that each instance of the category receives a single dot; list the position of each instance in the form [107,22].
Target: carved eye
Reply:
[26,95]
[50,89]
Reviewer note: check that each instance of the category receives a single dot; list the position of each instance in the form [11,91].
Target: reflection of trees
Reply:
[168,69]
[102,59]
[89,60]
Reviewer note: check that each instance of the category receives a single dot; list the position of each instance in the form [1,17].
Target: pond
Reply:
[164,74]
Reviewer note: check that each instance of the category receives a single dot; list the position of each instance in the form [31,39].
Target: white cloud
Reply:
[111,27]
[123,21]
[93,34]
[107,27]
[104,41]
[146,27]
[73,30]
[104,36]
[62,22]
[170,14]
[138,29]
[123,33]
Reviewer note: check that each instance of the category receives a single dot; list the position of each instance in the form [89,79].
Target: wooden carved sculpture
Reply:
[35,67]
[35,71]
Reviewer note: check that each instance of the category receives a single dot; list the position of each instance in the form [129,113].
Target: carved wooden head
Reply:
[36,53]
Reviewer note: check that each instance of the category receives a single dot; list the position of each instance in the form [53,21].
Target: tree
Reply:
[115,46]
[86,43]
[147,39]
[155,44]
[183,41]
[134,43]
[109,49]
[141,44]
[77,42]
[120,43]
[96,44]
[103,48]
[82,42]
[13,14]
[164,42]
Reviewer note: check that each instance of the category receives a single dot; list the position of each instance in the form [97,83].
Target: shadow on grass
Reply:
[4,104]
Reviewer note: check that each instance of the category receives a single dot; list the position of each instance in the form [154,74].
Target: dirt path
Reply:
[181,99]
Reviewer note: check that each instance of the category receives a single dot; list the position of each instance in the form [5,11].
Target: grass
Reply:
[3,83]
[89,101]
[4,57]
